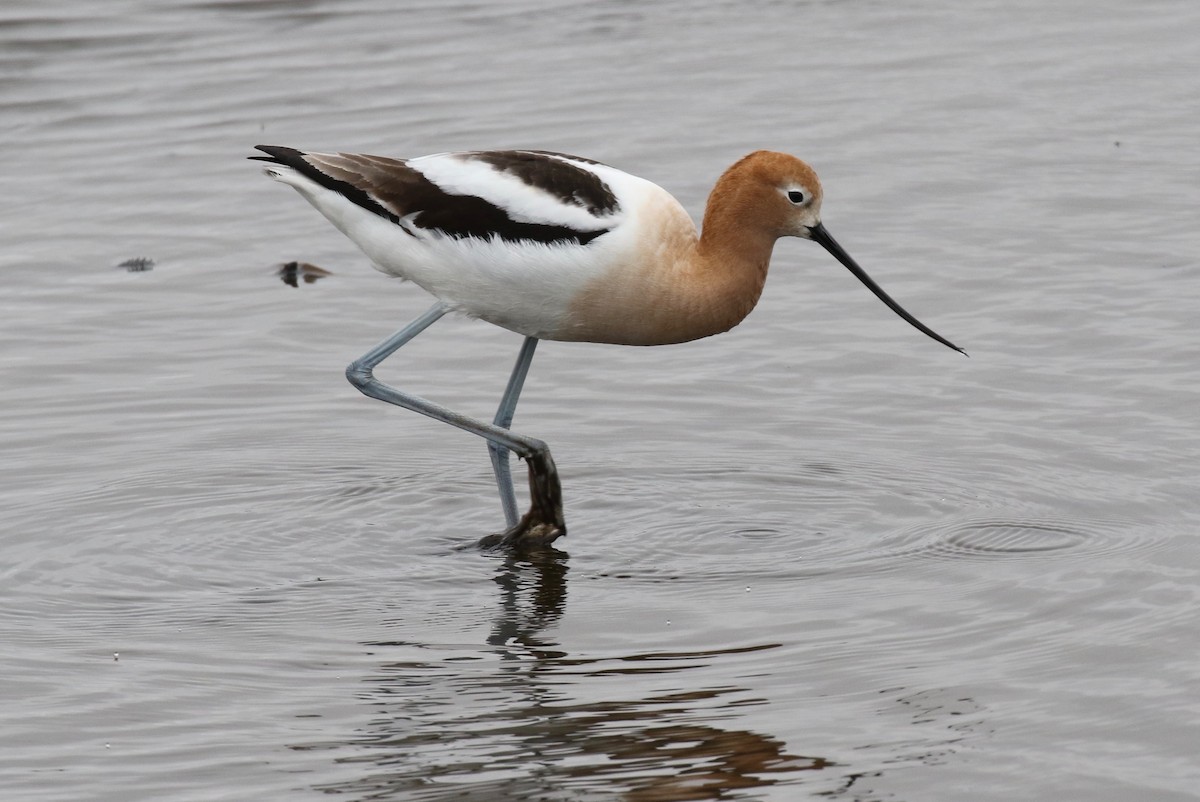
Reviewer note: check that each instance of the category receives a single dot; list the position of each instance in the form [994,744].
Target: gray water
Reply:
[818,557]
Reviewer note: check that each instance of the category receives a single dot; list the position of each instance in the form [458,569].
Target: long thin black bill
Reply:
[822,237]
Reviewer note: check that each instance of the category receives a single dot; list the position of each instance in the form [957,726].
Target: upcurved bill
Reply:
[822,237]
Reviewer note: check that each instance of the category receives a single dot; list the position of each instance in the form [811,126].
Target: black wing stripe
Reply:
[569,183]
[393,190]
[290,157]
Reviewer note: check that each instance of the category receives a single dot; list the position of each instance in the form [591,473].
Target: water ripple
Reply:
[1012,538]
[817,556]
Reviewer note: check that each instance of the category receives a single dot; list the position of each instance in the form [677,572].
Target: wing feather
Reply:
[509,195]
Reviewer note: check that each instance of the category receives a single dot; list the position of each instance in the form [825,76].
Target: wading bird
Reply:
[557,247]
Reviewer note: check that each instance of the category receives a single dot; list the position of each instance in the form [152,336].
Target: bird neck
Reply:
[684,286]
[737,225]
[732,255]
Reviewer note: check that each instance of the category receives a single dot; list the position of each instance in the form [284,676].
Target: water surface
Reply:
[818,557]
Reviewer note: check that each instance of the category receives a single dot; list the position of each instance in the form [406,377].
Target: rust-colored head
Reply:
[767,195]
[773,194]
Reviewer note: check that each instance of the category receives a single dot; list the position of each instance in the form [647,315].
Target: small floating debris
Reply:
[292,273]
[138,264]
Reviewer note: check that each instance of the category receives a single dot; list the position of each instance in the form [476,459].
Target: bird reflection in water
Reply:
[520,718]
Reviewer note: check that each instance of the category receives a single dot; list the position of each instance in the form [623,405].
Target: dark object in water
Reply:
[138,264]
[293,273]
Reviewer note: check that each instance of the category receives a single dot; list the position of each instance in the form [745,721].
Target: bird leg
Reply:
[503,419]
[544,520]
[543,523]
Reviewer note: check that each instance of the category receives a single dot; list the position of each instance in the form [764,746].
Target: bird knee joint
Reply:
[359,374]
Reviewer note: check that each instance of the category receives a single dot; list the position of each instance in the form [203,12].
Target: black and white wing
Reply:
[511,195]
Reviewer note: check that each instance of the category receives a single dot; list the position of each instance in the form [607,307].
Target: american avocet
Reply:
[556,247]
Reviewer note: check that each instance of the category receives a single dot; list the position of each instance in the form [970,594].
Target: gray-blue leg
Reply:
[503,419]
[543,523]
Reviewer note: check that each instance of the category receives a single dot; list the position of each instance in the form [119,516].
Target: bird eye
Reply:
[796,197]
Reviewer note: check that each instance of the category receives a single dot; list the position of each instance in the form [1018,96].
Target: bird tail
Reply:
[278,155]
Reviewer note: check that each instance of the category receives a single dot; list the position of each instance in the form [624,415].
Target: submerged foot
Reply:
[543,523]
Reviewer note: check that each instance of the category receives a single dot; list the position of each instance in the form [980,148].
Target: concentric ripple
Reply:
[1012,538]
